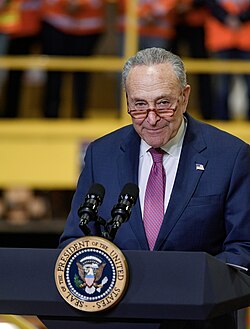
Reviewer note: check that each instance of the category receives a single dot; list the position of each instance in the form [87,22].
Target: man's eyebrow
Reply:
[138,99]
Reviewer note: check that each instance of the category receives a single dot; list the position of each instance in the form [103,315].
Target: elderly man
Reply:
[196,197]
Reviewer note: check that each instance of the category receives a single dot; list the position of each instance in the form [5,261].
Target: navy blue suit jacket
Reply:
[209,210]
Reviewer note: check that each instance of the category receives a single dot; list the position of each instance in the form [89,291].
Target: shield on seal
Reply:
[90,278]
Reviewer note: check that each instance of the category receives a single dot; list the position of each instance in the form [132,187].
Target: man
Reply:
[207,172]
[23,35]
[70,28]
[226,36]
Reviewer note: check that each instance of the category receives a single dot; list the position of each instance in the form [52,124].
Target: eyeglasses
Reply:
[163,108]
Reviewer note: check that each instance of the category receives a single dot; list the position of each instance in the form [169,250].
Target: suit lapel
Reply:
[190,169]
[128,162]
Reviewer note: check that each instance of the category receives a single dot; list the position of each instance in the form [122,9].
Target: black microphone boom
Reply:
[122,210]
[88,211]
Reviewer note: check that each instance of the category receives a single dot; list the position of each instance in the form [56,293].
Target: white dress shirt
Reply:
[170,163]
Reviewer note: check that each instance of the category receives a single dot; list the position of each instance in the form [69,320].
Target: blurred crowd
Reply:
[195,28]
[20,205]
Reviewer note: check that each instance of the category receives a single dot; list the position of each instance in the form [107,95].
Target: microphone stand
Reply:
[108,229]
[101,222]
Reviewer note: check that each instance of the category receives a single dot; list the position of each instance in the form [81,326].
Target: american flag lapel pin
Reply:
[199,166]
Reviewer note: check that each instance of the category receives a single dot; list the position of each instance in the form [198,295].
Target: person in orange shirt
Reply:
[9,19]
[227,37]
[70,28]
[156,23]
[191,17]
[23,35]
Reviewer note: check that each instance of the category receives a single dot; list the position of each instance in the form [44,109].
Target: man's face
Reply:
[152,88]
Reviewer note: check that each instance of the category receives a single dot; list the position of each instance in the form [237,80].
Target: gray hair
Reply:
[153,56]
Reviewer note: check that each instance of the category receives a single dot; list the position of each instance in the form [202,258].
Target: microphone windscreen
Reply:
[131,189]
[97,189]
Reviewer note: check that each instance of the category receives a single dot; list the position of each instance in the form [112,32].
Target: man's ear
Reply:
[185,95]
[126,99]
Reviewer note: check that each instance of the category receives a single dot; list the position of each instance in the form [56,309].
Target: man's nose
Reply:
[153,117]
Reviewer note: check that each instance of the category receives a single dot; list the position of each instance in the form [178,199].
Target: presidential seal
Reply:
[91,274]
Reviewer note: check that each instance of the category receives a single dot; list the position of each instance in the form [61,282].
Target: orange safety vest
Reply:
[88,18]
[219,36]
[30,18]
[10,16]
[193,16]
[22,18]
[160,13]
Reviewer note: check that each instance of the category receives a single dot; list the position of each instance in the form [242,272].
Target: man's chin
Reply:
[154,143]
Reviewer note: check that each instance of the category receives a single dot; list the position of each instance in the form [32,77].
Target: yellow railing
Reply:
[113,64]
[46,153]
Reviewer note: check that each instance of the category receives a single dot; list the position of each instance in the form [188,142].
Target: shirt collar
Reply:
[173,147]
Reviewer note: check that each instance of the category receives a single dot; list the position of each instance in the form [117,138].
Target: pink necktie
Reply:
[154,198]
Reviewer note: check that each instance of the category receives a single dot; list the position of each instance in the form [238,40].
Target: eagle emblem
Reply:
[90,273]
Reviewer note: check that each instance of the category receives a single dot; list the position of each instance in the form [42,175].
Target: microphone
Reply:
[88,211]
[122,210]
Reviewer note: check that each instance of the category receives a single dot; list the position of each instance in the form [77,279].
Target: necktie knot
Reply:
[157,154]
